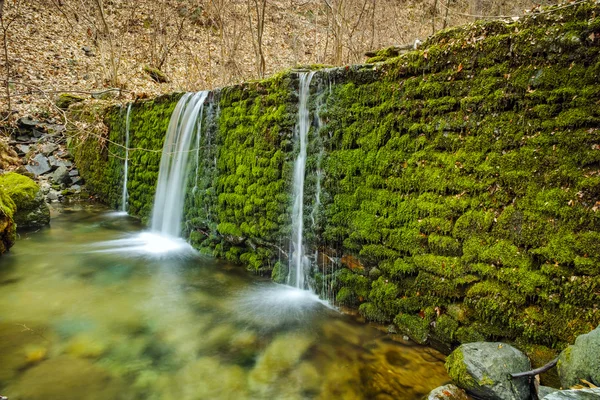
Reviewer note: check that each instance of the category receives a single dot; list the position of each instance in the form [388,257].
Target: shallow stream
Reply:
[84,315]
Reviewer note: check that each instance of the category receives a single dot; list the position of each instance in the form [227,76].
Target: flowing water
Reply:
[174,166]
[299,261]
[126,165]
[81,320]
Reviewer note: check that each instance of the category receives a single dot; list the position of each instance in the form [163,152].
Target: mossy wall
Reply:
[459,183]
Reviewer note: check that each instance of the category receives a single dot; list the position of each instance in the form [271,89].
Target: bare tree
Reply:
[7,18]
[258,7]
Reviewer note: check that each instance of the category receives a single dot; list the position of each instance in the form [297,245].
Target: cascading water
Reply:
[125,167]
[298,260]
[170,189]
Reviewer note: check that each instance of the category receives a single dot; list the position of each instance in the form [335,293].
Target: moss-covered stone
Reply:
[64,100]
[8,228]
[31,211]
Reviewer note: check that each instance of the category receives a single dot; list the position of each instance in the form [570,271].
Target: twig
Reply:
[536,371]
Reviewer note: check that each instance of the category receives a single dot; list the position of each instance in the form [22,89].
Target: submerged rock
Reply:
[483,369]
[17,345]
[400,372]
[206,378]
[283,353]
[447,392]
[31,210]
[66,377]
[576,361]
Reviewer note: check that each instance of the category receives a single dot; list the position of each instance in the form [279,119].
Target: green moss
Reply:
[31,210]
[20,189]
[66,99]
[457,370]
[415,327]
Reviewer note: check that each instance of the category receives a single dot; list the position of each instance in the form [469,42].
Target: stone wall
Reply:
[459,183]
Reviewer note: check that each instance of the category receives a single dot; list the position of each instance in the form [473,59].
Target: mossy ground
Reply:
[462,178]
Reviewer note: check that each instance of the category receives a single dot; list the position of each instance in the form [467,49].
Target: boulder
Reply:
[483,369]
[583,394]
[447,392]
[38,165]
[576,361]
[61,175]
[31,212]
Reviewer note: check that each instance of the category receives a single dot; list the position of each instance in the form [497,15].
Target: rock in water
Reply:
[581,360]
[447,392]
[483,369]
[66,377]
[583,394]
[39,165]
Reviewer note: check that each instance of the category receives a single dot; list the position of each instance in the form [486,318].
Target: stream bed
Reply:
[84,315]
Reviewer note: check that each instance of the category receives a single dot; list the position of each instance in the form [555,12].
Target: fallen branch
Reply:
[536,371]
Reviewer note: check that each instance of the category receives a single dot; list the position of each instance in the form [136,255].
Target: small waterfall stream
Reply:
[125,167]
[299,260]
[174,166]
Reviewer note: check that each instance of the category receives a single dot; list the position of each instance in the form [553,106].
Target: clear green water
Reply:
[76,324]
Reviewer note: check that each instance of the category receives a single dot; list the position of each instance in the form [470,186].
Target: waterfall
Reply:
[298,260]
[174,166]
[125,168]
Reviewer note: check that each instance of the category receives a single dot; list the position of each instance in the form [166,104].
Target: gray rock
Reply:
[33,214]
[45,187]
[55,129]
[583,394]
[49,148]
[545,391]
[53,195]
[64,155]
[38,165]
[61,175]
[22,149]
[483,369]
[76,188]
[37,134]
[76,179]
[27,122]
[74,172]
[57,162]
[581,360]
[447,392]
[23,138]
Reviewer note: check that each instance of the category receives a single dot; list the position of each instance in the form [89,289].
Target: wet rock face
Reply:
[483,368]
[576,361]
